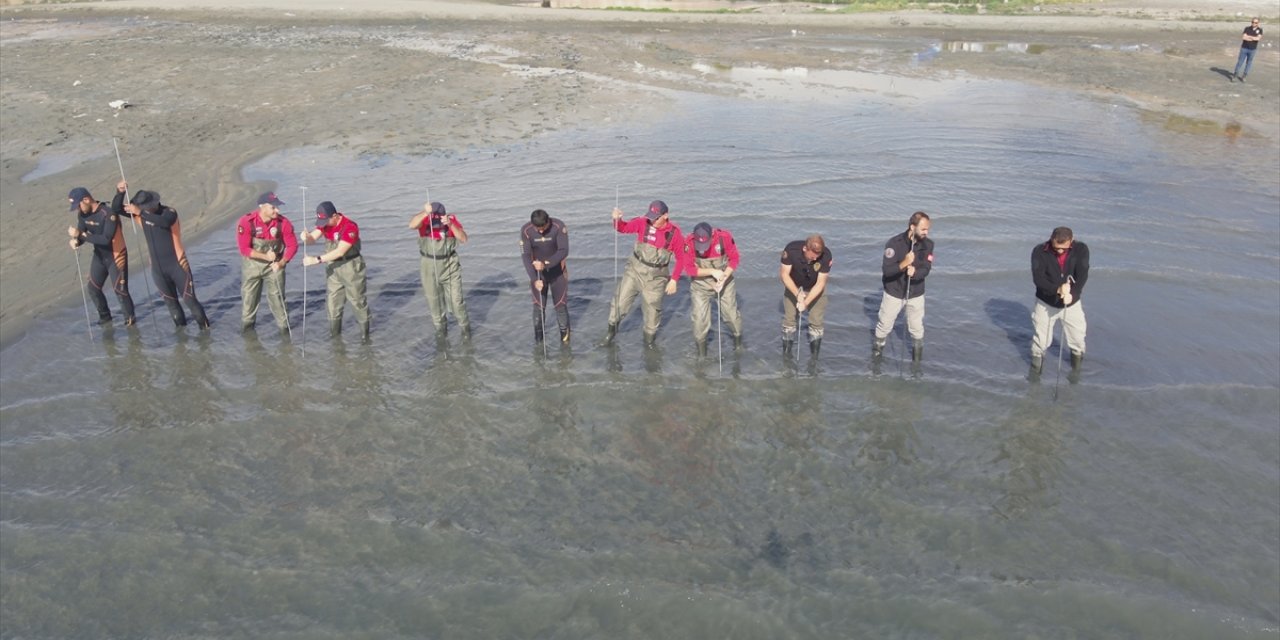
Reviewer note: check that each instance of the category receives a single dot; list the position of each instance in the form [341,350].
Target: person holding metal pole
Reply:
[146,280]
[344,266]
[653,271]
[1059,269]
[267,243]
[168,257]
[439,234]
[98,225]
[544,250]
[908,258]
[711,260]
[806,265]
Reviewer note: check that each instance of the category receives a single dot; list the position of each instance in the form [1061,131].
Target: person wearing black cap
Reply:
[266,241]
[908,258]
[712,258]
[439,234]
[806,265]
[344,265]
[544,249]
[654,269]
[98,225]
[169,264]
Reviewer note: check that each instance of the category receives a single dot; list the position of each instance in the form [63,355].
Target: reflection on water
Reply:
[155,483]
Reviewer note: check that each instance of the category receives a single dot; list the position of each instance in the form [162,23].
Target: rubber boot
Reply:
[537,334]
[737,343]
[1037,364]
[917,350]
[466,333]
[365,328]
[788,344]
[877,348]
[335,328]
[650,341]
[815,345]
[608,335]
[246,327]
[702,348]
[1077,360]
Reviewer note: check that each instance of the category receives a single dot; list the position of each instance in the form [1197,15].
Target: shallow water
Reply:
[211,485]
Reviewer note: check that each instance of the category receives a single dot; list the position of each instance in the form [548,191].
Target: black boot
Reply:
[537,334]
[1077,361]
[917,350]
[788,344]
[466,333]
[335,328]
[737,343]
[650,341]
[702,347]
[1037,364]
[815,345]
[877,348]
[365,328]
[608,335]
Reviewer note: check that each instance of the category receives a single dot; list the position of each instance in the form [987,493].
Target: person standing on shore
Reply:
[343,266]
[97,224]
[266,241]
[439,234]
[163,233]
[544,248]
[653,271]
[712,259]
[1248,47]
[908,257]
[1059,269]
[806,265]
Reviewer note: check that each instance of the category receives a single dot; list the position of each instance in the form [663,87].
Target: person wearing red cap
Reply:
[163,233]
[439,234]
[343,266]
[98,225]
[544,249]
[711,259]
[806,265]
[266,241]
[654,269]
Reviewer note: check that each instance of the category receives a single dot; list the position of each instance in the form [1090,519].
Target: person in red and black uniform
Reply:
[169,264]
[654,269]
[266,240]
[712,258]
[806,265]
[544,249]
[343,265]
[98,225]
[1059,269]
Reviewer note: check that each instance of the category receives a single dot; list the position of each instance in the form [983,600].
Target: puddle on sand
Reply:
[804,83]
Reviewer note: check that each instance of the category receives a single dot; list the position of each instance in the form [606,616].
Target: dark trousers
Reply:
[104,268]
[556,290]
[173,280]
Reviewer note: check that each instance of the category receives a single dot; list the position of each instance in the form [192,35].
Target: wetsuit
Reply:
[255,234]
[169,263]
[103,230]
[552,248]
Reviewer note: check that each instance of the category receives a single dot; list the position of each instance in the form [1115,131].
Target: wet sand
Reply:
[212,90]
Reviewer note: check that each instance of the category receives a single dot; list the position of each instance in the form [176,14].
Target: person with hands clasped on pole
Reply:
[439,234]
[653,271]
[544,248]
[1059,269]
[98,225]
[343,265]
[908,258]
[266,242]
[712,258]
[806,265]
[169,264]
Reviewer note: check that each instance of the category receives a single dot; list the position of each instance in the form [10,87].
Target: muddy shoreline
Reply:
[211,91]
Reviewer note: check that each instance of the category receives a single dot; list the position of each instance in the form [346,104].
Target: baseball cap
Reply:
[657,209]
[77,194]
[270,198]
[437,208]
[702,237]
[325,210]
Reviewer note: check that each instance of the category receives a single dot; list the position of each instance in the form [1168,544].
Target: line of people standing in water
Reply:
[660,257]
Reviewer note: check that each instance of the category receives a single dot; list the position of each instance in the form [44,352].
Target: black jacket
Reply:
[895,279]
[1048,277]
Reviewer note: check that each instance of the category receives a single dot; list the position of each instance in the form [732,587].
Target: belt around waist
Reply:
[650,264]
[344,259]
[435,256]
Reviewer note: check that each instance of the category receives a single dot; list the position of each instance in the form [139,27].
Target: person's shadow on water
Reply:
[1015,319]
[484,294]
